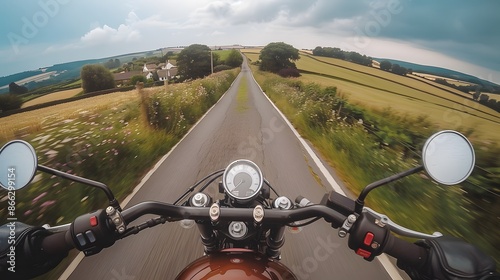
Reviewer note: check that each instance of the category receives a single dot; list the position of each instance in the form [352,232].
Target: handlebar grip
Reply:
[406,252]
[58,243]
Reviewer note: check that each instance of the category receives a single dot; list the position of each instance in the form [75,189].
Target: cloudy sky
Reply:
[458,34]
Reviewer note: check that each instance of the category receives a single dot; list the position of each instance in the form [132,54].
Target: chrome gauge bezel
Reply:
[248,167]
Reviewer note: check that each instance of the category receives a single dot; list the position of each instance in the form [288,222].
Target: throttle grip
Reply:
[406,252]
[57,243]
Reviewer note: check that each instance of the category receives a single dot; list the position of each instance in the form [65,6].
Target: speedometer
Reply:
[242,180]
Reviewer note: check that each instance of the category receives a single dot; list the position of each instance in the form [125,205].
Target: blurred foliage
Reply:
[365,146]
[112,146]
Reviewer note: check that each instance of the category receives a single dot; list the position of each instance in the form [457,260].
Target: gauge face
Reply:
[242,180]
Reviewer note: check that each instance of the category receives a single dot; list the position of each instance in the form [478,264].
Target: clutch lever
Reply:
[382,220]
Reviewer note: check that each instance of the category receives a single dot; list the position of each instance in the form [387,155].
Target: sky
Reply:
[460,35]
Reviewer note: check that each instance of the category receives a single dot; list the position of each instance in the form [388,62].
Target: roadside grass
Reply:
[52,97]
[444,116]
[20,125]
[405,95]
[379,147]
[104,139]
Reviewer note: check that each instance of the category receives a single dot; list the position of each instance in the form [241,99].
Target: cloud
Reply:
[104,35]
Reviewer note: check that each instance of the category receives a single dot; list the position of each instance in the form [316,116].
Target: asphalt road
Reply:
[235,128]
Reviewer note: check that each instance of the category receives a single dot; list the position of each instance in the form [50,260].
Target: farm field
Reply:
[378,90]
[52,97]
[18,124]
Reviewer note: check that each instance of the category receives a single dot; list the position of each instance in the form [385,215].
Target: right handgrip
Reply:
[57,243]
[406,252]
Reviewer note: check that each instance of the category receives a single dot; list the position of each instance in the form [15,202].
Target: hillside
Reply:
[59,72]
[443,72]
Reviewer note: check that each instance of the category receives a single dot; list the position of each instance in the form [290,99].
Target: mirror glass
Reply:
[18,164]
[448,157]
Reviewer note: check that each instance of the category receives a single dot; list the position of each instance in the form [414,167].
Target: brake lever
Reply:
[55,229]
[382,220]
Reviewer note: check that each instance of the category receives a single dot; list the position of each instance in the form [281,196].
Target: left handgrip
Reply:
[57,243]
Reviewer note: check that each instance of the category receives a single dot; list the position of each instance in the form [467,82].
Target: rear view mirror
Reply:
[18,164]
[448,157]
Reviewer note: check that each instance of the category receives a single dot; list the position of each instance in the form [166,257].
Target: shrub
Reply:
[10,102]
[289,72]
[96,77]
[222,67]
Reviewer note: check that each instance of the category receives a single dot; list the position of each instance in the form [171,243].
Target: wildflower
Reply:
[47,203]
[35,200]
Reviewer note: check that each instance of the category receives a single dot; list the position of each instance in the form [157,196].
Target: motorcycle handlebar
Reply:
[274,216]
[402,250]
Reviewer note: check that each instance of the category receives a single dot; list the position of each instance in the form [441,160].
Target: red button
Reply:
[93,221]
[363,253]
[368,239]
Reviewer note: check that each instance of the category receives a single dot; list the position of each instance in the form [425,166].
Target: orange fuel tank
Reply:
[236,263]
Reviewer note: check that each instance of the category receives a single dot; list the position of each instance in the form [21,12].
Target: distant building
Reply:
[124,77]
[149,68]
[167,72]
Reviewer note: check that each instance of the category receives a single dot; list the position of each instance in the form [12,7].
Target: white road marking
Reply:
[383,259]
[72,266]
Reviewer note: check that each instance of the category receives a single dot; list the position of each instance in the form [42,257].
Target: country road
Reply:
[239,126]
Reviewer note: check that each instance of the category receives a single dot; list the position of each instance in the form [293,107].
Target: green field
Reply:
[378,90]
[398,114]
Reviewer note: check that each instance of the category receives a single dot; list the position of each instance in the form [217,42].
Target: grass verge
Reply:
[105,140]
[365,146]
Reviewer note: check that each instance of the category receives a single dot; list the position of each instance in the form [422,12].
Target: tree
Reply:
[399,70]
[386,65]
[112,63]
[10,102]
[96,77]
[138,78]
[277,56]
[289,72]
[234,59]
[483,98]
[17,89]
[193,62]
[476,95]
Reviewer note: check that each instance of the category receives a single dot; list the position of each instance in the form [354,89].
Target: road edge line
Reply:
[76,261]
[383,259]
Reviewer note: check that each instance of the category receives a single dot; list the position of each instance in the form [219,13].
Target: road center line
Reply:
[383,259]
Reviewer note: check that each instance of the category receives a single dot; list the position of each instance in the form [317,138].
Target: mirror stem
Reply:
[112,200]
[360,202]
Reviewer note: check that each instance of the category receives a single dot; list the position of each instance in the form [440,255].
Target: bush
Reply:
[181,106]
[234,59]
[10,102]
[137,78]
[289,72]
[96,77]
[222,67]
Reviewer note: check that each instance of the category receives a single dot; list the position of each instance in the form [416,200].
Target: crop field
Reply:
[252,54]
[378,90]
[358,157]
[223,54]
[52,97]
[16,125]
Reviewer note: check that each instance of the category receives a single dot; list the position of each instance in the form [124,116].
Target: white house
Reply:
[149,67]
[167,72]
